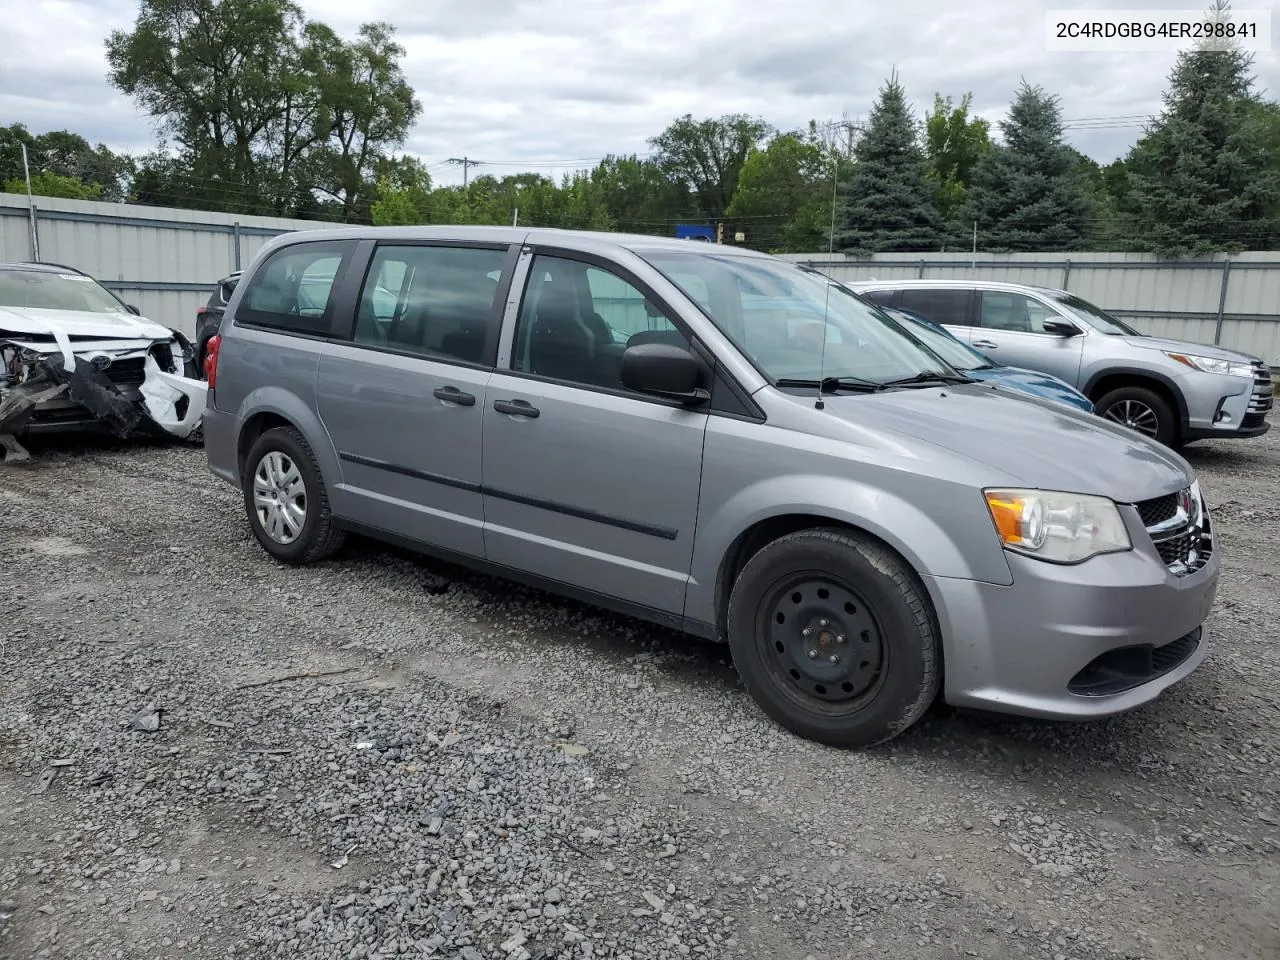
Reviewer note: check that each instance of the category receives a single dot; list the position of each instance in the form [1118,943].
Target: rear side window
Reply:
[882,297]
[292,290]
[431,301]
[949,307]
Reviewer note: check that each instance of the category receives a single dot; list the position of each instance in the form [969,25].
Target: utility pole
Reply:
[31,208]
[467,164]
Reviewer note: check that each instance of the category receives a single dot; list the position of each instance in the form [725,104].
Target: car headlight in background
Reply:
[1058,527]
[1230,368]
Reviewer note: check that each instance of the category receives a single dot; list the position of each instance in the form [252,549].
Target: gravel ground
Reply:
[203,754]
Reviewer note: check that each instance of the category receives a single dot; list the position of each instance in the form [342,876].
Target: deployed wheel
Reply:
[834,638]
[1142,410]
[286,501]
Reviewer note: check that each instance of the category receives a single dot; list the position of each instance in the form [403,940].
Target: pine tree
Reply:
[1028,193]
[886,201]
[1203,177]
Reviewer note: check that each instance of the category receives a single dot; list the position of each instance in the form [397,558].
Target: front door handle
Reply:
[517,408]
[454,395]
[985,345]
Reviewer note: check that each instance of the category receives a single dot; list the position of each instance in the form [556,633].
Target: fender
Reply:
[930,549]
[282,403]
[1142,373]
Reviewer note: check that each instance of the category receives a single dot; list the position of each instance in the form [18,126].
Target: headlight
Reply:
[1228,368]
[1058,527]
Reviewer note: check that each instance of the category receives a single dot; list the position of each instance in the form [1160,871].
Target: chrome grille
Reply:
[1262,399]
[1179,527]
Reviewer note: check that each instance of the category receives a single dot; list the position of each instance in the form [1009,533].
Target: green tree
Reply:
[1205,176]
[366,108]
[784,193]
[640,198]
[706,156]
[886,204]
[954,143]
[1028,193]
[49,184]
[68,155]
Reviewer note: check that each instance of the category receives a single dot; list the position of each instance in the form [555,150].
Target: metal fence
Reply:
[1231,301]
[166,261]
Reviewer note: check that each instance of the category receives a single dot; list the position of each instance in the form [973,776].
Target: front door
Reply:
[403,401]
[584,481]
[1010,330]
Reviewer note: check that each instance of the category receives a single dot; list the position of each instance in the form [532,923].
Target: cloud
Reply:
[554,85]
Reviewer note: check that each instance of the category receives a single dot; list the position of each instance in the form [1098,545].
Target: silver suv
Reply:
[1171,390]
[705,438]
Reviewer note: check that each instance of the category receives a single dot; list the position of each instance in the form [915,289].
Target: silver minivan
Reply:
[704,437]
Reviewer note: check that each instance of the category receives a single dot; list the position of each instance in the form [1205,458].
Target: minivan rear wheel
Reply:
[834,638]
[286,500]
[1142,410]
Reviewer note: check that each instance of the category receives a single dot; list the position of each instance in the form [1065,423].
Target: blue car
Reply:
[980,367]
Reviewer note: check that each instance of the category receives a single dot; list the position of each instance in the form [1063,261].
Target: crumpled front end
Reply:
[126,387]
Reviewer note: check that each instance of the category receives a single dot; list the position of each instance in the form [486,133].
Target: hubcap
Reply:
[823,640]
[279,497]
[1135,415]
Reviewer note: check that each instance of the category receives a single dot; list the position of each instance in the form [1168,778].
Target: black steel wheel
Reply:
[834,637]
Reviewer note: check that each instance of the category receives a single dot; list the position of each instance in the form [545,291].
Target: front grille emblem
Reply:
[100,362]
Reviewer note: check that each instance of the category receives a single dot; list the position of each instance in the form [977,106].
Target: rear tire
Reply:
[1142,410]
[834,638]
[286,500]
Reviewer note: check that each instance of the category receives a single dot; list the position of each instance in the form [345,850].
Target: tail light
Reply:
[211,359]
[202,310]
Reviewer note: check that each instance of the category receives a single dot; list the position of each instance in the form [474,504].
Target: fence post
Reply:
[235,243]
[1066,273]
[920,271]
[1222,301]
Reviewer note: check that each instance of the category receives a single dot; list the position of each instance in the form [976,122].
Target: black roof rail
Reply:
[58,266]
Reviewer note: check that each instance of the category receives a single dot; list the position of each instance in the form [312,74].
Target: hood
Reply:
[1035,383]
[1036,443]
[1189,347]
[80,324]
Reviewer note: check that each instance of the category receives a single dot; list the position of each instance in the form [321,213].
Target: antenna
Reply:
[826,302]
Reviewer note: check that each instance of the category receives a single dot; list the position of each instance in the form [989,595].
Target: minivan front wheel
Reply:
[834,639]
[286,500]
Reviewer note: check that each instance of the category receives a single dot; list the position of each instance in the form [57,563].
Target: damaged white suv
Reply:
[74,356]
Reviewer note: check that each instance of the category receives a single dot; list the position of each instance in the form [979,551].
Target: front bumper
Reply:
[1228,407]
[1074,642]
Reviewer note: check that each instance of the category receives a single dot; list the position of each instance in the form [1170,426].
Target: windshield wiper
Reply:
[833,384]
[926,378]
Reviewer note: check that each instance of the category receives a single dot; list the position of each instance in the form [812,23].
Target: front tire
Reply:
[834,638]
[1141,410]
[286,500]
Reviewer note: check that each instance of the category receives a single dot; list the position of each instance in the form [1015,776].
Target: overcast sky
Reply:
[552,86]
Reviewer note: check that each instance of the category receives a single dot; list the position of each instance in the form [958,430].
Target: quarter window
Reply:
[431,301]
[1015,312]
[291,292]
[576,320]
[948,307]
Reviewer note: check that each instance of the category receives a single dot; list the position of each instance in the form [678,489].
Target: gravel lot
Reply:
[472,770]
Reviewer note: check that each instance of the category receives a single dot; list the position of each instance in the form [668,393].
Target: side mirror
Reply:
[1061,327]
[132,309]
[663,370]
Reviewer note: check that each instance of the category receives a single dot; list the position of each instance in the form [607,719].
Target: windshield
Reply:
[42,290]
[1100,320]
[959,355]
[773,312]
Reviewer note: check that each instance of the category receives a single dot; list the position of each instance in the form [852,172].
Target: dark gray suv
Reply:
[707,438]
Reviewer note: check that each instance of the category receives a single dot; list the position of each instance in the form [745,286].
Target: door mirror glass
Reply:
[663,370]
[1061,327]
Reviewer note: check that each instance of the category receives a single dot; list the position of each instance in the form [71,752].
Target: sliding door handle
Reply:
[516,408]
[454,395]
